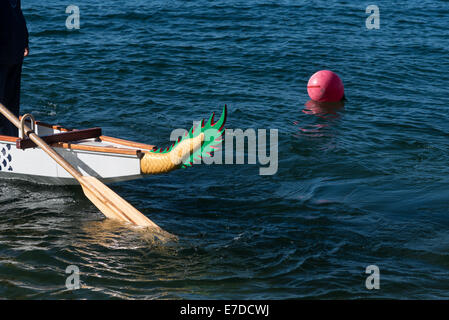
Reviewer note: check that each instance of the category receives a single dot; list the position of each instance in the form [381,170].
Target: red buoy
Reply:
[325,86]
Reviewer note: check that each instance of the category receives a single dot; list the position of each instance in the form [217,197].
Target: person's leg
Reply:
[12,95]
[3,75]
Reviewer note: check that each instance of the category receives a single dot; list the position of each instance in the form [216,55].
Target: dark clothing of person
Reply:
[10,95]
[13,32]
[13,41]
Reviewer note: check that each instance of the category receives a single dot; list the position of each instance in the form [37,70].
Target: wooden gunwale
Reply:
[127,143]
[8,138]
[74,146]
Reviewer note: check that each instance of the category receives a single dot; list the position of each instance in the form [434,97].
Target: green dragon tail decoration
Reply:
[197,144]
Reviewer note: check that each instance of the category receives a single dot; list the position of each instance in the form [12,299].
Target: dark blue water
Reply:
[360,185]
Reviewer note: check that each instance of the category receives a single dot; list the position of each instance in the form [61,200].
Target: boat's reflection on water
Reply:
[326,113]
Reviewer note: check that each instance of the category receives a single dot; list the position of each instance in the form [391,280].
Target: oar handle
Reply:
[41,143]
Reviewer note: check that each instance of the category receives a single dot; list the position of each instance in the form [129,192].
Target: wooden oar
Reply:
[106,200]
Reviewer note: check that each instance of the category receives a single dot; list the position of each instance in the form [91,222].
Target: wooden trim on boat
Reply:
[8,138]
[56,127]
[75,146]
[127,143]
[51,126]
[74,135]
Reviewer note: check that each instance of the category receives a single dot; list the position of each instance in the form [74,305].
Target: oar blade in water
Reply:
[112,205]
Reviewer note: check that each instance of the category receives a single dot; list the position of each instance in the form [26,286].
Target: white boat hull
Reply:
[36,166]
